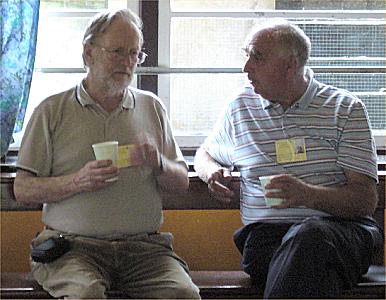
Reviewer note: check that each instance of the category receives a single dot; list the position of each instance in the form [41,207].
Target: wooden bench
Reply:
[212,284]
[218,284]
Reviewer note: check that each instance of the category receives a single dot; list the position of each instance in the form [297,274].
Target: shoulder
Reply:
[246,98]
[148,98]
[56,102]
[247,93]
[329,94]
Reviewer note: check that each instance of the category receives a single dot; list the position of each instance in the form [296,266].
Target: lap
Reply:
[144,266]
[259,241]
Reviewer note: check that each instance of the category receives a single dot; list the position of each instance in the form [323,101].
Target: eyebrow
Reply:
[255,53]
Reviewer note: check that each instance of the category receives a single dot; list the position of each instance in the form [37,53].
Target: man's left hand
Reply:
[293,191]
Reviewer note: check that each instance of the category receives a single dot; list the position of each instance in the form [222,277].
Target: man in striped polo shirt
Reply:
[317,140]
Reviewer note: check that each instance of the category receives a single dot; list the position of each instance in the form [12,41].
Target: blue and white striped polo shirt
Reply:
[333,123]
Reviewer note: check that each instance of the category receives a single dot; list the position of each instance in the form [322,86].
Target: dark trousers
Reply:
[315,258]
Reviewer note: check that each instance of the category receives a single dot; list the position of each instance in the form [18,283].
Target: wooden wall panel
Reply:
[203,238]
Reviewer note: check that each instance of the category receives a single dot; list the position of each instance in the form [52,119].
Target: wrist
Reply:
[75,184]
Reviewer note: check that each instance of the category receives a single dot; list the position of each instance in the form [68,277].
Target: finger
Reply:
[220,198]
[219,188]
[278,194]
[223,195]
[100,163]
[216,176]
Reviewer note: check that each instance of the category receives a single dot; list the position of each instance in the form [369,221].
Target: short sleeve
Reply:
[35,154]
[356,148]
[220,143]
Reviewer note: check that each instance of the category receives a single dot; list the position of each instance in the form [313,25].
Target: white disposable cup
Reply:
[264,180]
[107,150]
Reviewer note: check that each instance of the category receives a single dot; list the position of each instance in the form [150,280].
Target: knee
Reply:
[187,292]
[311,233]
[183,292]
[94,290]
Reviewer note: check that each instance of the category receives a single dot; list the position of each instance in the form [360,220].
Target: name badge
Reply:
[291,150]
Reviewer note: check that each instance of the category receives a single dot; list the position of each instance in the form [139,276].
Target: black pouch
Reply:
[50,249]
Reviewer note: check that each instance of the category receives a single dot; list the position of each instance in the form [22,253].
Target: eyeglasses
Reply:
[121,53]
[252,52]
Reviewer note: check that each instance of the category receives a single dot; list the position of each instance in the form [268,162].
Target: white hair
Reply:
[101,21]
[289,38]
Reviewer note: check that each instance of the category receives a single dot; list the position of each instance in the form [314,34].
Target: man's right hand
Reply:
[221,187]
[95,175]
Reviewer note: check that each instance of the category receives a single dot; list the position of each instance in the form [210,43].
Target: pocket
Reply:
[50,250]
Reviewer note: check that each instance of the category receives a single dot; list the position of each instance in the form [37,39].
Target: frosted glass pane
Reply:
[59,42]
[220,5]
[239,5]
[208,42]
[80,4]
[217,42]
[198,99]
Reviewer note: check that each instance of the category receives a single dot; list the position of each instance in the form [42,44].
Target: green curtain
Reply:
[19,26]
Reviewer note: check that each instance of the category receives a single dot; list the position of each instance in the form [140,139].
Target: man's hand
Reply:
[293,191]
[148,155]
[221,187]
[95,175]
[355,198]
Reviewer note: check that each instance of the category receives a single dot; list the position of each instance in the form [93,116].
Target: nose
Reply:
[246,67]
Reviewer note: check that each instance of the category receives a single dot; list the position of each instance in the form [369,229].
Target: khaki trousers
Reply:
[144,266]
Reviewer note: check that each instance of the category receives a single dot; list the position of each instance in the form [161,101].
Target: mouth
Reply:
[123,74]
[252,81]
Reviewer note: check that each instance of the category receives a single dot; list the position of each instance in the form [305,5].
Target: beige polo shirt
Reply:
[58,141]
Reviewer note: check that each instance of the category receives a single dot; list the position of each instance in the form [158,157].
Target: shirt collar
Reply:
[310,92]
[128,100]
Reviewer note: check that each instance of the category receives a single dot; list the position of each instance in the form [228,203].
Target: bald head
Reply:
[286,39]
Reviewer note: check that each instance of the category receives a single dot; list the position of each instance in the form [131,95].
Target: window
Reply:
[195,58]
[58,62]
[205,38]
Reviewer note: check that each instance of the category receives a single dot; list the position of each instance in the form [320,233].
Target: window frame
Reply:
[156,16]
[165,15]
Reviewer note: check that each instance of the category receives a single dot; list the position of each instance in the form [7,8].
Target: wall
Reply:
[202,237]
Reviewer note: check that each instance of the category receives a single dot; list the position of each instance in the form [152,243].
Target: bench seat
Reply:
[212,284]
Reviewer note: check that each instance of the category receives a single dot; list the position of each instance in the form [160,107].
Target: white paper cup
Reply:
[264,180]
[107,150]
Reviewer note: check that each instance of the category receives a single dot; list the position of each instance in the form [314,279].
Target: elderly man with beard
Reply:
[111,227]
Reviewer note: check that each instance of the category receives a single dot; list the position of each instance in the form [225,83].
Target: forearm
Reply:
[356,197]
[205,165]
[32,189]
[346,201]
[173,176]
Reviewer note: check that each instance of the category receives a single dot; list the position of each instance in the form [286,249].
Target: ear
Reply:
[292,64]
[88,55]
